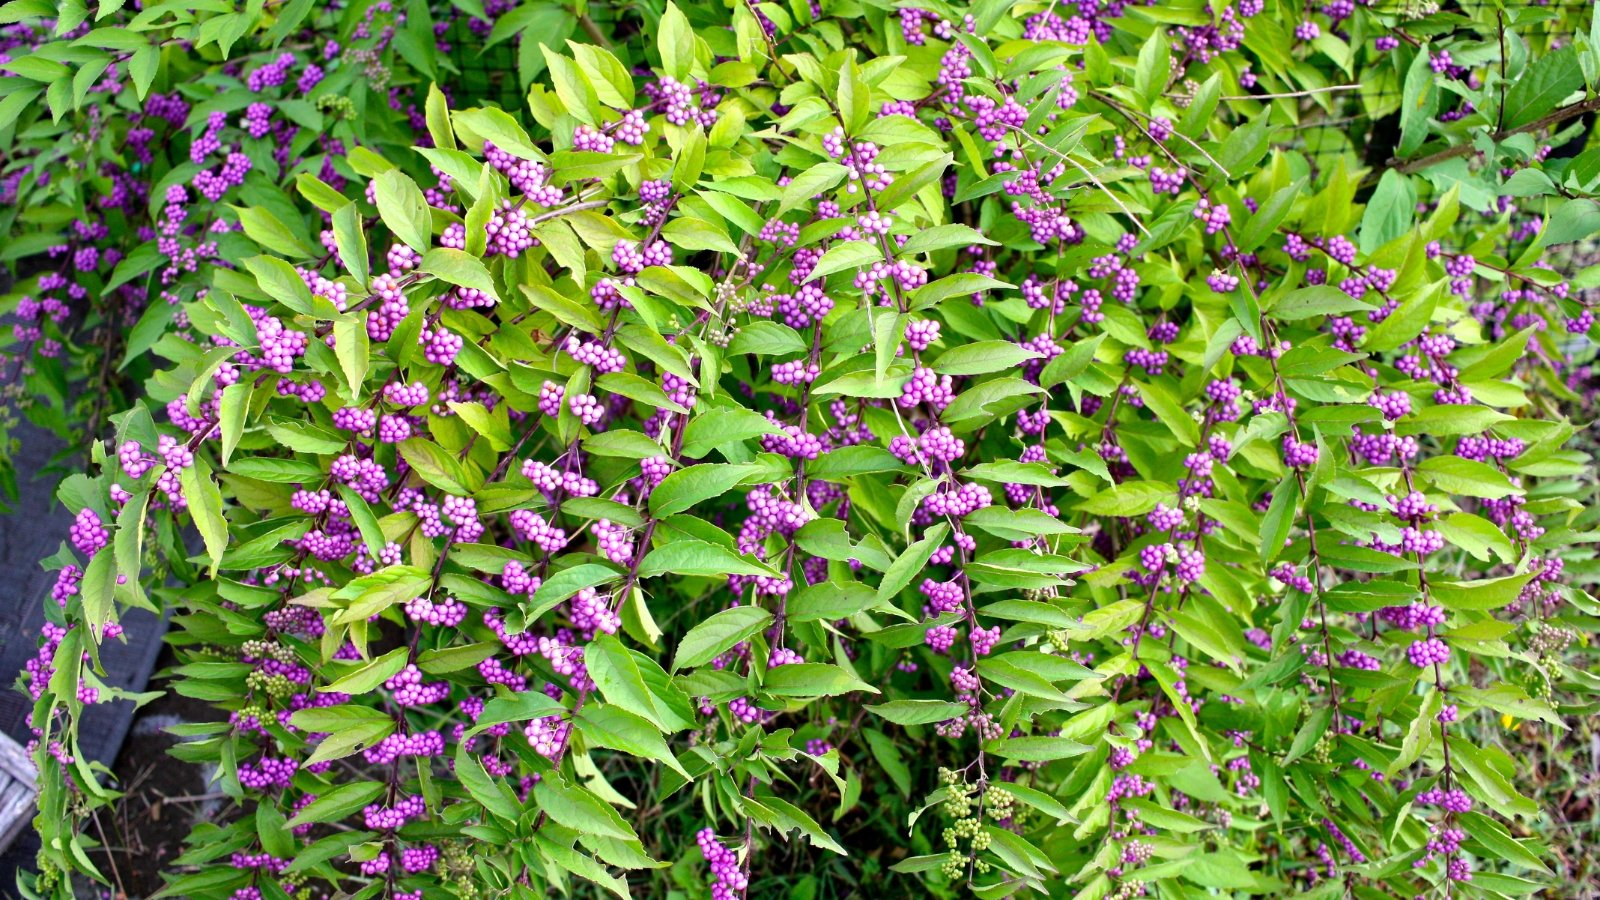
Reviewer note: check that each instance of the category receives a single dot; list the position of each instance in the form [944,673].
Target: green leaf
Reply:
[1201,635]
[655,348]
[854,100]
[277,471]
[1477,536]
[767,339]
[200,492]
[734,210]
[982,357]
[338,802]
[1369,596]
[906,186]
[1390,212]
[351,239]
[1573,220]
[1150,73]
[579,809]
[1317,300]
[281,282]
[1160,817]
[1494,837]
[453,659]
[1314,730]
[567,311]
[919,712]
[1244,147]
[847,255]
[935,292]
[724,425]
[402,207]
[1279,517]
[99,592]
[1406,322]
[372,594]
[1448,419]
[716,635]
[1265,220]
[1171,413]
[617,674]
[1459,475]
[1419,98]
[520,707]
[812,680]
[493,794]
[367,678]
[1499,359]
[643,390]
[1512,700]
[495,125]
[1009,471]
[1486,593]
[819,179]
[887,330]
[684,488]
[616,728]
[690,557]
[1017,524]
[349,740]
[829,600]
[1008,673]
[261,226]
[492,426]
[572,87]
[829,539]
[435,465]
[1039,749]
[941,236]
[611,81]
[127,545]
[888,757]
[333,718]
[1131,498]
[621,442]
[139,262]
[675,42]
[985,401]
[1478,766]
[459,268]
[786,816]
[909,564]
[352,347]
[231,412]
[1041,801]
[1419,734]
[143,66]
[570,859]
[1069,365]
[567,582]
[35,67]
[1548,81]
[321,194]
[438,118]
[859,459]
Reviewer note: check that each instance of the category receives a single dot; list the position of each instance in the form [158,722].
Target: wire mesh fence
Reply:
[486,74]
[1552,24]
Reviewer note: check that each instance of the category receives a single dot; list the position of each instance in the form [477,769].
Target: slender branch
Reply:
[1555,118]
[1285,95]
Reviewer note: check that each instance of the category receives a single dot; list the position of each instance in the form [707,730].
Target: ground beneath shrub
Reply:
[164,799]
[32,529]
